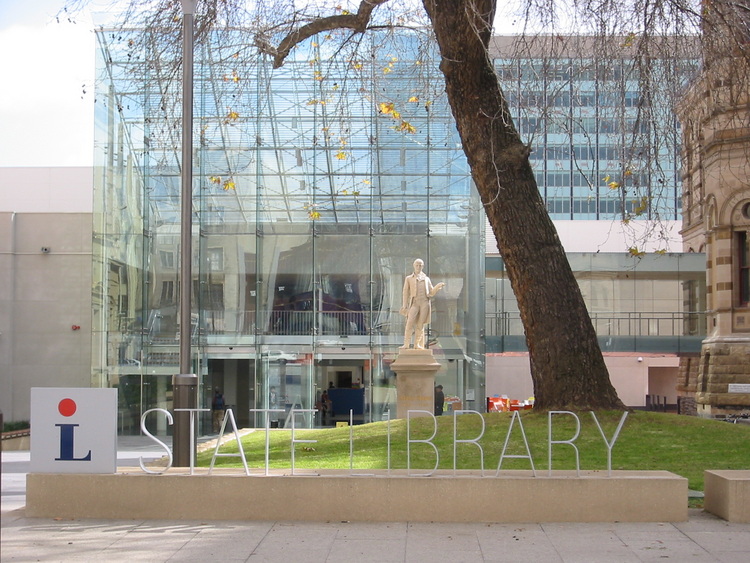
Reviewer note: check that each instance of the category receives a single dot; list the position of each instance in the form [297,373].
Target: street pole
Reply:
[184,385]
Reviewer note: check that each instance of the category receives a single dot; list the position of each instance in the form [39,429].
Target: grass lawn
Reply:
[648,441]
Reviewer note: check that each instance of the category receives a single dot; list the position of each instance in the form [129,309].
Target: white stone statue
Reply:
[416,304]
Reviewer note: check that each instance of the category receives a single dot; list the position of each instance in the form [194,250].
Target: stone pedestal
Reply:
[415,381]
[727,494]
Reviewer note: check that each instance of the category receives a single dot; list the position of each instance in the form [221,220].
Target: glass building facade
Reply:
[647,304]
[316,185]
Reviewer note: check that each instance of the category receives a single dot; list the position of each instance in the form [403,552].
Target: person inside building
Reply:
[439,400]
[273,402]
[218,406]
[323,406]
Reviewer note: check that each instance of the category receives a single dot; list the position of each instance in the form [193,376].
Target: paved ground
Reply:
[702,538]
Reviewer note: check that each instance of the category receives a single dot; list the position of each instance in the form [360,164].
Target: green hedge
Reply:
[13,426]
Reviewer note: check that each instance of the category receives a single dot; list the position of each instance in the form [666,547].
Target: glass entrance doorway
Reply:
[234,377]
[342,390]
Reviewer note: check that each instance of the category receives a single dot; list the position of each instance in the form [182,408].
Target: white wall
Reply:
[47,190]
[509,374]
[44,295]
[661,382]
[607,236]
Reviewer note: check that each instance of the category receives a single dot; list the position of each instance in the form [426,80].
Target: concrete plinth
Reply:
[335,496]
[16,444]
[727,494]
[415,381]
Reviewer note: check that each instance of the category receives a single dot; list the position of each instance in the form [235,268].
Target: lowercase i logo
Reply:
[67,407]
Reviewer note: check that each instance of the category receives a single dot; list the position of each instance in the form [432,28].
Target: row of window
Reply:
[582,125]
[583,152]
[564,70]
[590,205]
[535,98]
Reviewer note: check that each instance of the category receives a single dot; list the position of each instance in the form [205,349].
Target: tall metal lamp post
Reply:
[185,384]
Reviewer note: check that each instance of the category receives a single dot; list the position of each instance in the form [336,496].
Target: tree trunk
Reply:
[567,367]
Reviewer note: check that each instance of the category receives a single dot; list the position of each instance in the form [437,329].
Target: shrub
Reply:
[18,425]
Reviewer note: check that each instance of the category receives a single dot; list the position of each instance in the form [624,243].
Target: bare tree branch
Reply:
[358,22]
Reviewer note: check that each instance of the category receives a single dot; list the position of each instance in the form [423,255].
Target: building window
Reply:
[167,259]
[167,293]
[216,259]
[744,267]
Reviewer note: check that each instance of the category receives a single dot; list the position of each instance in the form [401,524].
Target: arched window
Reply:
[743,268]
[742,257]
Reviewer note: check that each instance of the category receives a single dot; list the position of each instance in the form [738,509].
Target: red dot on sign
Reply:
[67,407]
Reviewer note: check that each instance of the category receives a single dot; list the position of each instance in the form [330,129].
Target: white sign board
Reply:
[73,430]
[739,387]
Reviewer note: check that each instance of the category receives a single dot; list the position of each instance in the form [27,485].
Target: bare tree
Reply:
[567,366]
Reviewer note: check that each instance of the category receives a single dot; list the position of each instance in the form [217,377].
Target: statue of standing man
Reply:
[416,304]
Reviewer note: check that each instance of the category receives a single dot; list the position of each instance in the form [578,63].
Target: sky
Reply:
[46,85]
[45,117]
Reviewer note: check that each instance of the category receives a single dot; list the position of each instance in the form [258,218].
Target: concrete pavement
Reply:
[703,538]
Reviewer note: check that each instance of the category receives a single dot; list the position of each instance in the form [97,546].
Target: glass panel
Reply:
[309,206]
[654,303]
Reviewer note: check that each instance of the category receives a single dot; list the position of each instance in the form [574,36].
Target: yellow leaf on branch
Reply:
[234,77]
[642,206]
[406,127]
[385,107]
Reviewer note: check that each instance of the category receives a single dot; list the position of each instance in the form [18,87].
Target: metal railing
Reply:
[675,323]
[343,323]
